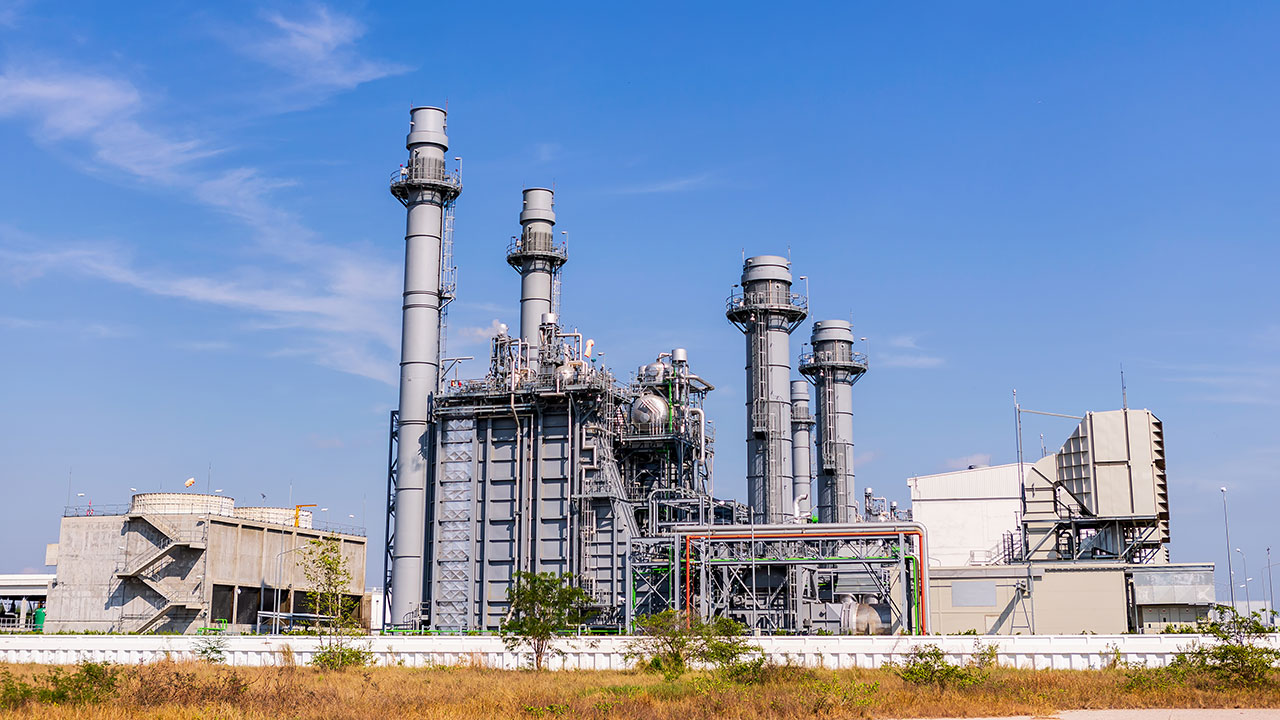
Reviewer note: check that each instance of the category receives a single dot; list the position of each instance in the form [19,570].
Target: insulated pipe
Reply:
[537,257]
[801,447]
[834,367]
[425,188]
[767,311]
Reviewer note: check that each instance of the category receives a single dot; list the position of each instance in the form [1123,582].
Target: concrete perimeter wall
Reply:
[1064,652]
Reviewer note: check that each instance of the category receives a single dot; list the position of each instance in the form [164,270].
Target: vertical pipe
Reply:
[834,367]
[425,188]
[801,447]
[767,311]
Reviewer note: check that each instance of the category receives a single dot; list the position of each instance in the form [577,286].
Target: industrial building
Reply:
[176,562]
[551,463]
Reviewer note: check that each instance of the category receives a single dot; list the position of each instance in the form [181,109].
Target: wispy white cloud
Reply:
[915,362]
[317,49]
[908,354]
[101,111]
[962,463]
[546,151]
[10,11]
[1251,384]
[334,292]
[680,184]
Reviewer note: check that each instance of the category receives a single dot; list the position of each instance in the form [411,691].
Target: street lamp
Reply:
[1244,566]
[1231,574]
[275,621]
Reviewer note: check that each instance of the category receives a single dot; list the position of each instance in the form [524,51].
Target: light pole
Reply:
[1244,566]
[275,621]
[1271,589]
[1231,574]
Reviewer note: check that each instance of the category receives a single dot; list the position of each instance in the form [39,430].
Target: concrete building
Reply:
[1068,598]
[21,596]
[175,562]
[972,515]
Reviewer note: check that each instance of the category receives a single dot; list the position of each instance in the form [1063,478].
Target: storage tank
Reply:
[275,515]
[161,503]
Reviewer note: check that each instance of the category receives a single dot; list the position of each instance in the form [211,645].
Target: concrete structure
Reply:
[767,311]
[1041,652]
[21,596]
[834,367]
[973,515]
[801,450]
[427,190]
[175,562]
[1052,598]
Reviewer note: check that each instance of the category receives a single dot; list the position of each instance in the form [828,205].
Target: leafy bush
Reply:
[342,656]
[928,665]
[1237,657]
[671,642]
[834,694]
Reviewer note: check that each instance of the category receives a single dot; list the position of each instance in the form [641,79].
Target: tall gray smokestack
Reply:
[538,257]
[801,448]
[426,189]
[834,367]
[767,311]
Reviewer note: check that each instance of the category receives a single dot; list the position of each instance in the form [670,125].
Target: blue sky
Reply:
[199,258]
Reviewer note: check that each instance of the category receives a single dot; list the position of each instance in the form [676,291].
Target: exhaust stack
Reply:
[833,367]
[801,449]
[426,189]
[538,258]
[767,311]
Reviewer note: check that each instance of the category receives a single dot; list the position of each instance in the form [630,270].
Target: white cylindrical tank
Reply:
[161,503]
[276,515]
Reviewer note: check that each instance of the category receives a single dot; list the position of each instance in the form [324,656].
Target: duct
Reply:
[801,448]
[538,258]
[833,367]
[426,189]
[767,311]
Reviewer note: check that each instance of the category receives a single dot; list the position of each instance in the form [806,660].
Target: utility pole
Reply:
[1231,574]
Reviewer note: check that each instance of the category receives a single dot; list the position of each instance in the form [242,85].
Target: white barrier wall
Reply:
[1075,652]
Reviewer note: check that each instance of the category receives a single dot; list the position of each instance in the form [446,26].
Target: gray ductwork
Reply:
[801,448]
[833,367]
[425,188]
[767,311]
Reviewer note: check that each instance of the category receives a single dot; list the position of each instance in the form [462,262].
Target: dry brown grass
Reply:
[186,691]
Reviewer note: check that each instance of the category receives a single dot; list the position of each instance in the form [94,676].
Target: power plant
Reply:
[550,463]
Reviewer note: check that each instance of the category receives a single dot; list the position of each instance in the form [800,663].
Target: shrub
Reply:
[543,605]
[340,657]
[670,642]
[927,665]
[89,683]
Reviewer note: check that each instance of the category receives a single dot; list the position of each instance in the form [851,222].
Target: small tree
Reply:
[329,578]
[670,642]
[542,606]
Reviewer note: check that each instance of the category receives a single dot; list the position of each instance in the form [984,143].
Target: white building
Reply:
[968,513]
